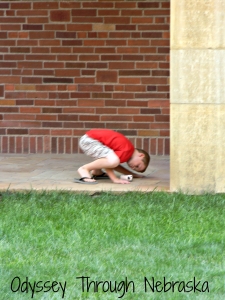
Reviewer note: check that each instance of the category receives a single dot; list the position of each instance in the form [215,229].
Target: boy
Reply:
[110,148]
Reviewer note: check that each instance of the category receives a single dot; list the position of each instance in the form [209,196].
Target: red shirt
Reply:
[115,141]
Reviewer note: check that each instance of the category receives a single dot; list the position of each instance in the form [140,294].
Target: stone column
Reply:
[197,96]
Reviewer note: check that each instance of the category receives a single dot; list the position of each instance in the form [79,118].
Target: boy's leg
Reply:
[109,162]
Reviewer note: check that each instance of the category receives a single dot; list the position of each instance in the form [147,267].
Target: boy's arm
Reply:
[124,171]
[114,178]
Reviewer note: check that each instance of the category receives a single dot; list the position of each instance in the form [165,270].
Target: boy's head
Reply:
[139,160]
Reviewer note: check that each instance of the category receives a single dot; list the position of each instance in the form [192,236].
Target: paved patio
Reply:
[56,172]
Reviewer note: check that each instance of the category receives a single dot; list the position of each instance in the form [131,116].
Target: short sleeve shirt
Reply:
[115,141]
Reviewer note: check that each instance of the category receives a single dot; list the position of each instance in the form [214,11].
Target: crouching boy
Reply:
[109,149]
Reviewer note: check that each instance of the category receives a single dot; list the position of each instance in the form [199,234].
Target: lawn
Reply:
[61,245]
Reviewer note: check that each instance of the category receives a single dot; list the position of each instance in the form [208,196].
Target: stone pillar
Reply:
[197,96]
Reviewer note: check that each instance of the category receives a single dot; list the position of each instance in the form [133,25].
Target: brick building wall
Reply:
[69,66]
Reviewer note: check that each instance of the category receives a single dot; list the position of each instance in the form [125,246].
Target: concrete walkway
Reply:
[56,172]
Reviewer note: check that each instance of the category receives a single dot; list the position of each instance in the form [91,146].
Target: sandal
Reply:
[102,176]
[82,180]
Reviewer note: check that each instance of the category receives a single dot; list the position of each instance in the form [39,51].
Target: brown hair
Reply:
[146,159]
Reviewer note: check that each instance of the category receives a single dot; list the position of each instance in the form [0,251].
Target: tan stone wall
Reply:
[198,95]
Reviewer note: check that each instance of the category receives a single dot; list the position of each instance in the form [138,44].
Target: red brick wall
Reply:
[66,67]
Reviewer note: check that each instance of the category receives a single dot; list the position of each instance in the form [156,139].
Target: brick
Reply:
[74,65]
[121,65]
[96,65]
[159,125]
[107,76]
[133,80]
[2,132]
[13,20]
[44,72]
[109,12]
[16,131]
[3,35]
[91,103]
[51,110]
[2,91]
[9,109]
[158,103]
[66,72]
[70,5]
[107,110]
[37,20]
[12,144]
[41,35]
[88,72]
[7,102]
[150,111]
[138,126]
[85,80]
[30,64]
[53,95]
[60,144]
[153,35]
[84,12]
[54,145]
[4,5]
[60,15]
[103,27]
[45,5]
[101,95]
[125,5]
[52,124]
[133,57]
[155,27]
[160,73]
[119,35]
[5,72]
[89,57]
[57,80]
[135,88]
[160,42]
[66,35]
[72,43]
[154,80]
[83,50]
[79,27]
[131,12]
[61,132]
[80,95]
[155,12]
[126,27]
[163,50]
[36,80]
[148,133]
[93,43]
[9,79]
[111,57]
[72,124]
[93,118]
[142,20]
[134,73]
[90,88]
[115,103]
[32,27]
[117,20]
[152,95]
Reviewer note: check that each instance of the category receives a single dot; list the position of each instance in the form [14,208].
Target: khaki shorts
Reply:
[93,148]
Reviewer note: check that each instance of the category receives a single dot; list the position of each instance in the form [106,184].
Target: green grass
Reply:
[59,236]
